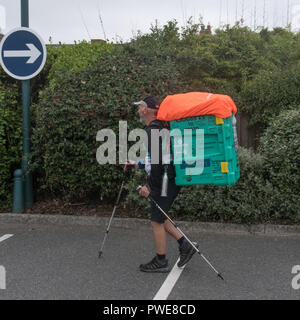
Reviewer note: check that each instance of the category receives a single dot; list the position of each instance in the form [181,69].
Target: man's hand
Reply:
[130,164]
[144,192]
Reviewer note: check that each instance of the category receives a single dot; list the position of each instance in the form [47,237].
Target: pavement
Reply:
[56,257]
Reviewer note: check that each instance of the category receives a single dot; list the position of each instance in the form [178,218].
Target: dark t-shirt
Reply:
[156,170]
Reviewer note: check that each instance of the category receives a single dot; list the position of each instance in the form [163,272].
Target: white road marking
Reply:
[169,283]
[5,237]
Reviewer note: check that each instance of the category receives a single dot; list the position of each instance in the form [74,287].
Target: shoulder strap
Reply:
[159,124]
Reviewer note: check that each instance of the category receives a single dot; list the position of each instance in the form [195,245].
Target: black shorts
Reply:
[164,202]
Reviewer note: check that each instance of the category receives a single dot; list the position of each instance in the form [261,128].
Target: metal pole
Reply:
[28,198]
[126,175]
[189,241]
[111,218]
[24,13]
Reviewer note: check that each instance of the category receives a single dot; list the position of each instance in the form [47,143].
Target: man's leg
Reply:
[159,263]
[185,249]
[160,239]
[169,227]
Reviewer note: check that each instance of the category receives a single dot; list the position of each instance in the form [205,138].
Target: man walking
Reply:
[148,109]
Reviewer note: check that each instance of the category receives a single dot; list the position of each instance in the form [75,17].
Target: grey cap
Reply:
[148,102]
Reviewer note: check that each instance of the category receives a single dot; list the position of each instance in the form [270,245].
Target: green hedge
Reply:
[74,58]
[69,117]
[280,147]
[267,191]
[10,137]
[259,70]
[271,92]
[91,87]
[66,58]
[248,201]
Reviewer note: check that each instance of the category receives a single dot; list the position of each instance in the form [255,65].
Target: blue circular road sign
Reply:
[22,53]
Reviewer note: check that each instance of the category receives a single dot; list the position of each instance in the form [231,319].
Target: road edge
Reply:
[131,223]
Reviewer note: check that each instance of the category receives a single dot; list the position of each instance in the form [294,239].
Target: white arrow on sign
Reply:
[33,53]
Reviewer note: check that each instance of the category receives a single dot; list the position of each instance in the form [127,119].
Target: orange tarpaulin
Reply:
[194,104]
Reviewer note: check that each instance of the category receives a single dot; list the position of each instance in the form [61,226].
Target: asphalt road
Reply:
[61,262]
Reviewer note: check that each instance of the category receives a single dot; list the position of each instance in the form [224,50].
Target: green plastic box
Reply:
[214,161]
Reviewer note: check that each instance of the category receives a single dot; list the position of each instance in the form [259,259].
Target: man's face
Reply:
[142,115]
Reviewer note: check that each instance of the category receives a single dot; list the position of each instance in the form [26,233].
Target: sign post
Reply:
[22,56]
[28,192]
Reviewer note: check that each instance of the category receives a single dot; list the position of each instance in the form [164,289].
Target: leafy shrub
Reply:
[64,59]
[74,58]
[270,92]
[248,201]
[10,138]
[280,147]
[259,70]
[69,117]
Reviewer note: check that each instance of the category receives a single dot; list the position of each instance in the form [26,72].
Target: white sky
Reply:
[69,20]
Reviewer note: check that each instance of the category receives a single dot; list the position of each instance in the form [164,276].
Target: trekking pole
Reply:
[114,210]
[189,241]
